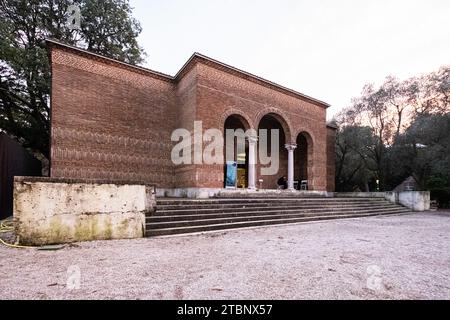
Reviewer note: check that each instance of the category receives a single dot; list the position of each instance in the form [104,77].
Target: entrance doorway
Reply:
[242,168]
[236,164]
[303,162]
[272,122]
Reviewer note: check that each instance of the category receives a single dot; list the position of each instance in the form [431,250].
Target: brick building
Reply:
[114,121]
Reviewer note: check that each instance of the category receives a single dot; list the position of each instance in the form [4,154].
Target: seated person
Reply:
[282,182]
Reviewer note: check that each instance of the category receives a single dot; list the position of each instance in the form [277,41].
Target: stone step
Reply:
[252,223]
[177,202]
[245,208]
[265,205]
[273,193]
[174,217]
[161,221]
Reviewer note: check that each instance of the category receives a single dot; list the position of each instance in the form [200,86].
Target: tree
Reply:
[106,27]
[396,97]
[423,152]
[372,110]
[354,165]
[424,148]
[429,93]
[389,111]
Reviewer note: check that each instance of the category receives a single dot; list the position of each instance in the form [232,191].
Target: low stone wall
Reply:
[414,200]
[199,193]
[205,193]
[270,193]
[360,194]
[50,211]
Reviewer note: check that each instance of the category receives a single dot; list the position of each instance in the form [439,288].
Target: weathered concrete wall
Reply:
[414,200]
[360,194]
[391,196]
[199,193]
[50,211]
[205,193]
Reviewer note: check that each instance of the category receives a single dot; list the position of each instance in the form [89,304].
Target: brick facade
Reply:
[114,121]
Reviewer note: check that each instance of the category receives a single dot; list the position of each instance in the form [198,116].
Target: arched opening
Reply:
[271,122]
[303,162]
[236,156]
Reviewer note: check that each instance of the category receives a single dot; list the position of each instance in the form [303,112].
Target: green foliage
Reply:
[427,154]
[354,164]
[422,151]
[409,128]
[439,186]
[426,146]
[107,28]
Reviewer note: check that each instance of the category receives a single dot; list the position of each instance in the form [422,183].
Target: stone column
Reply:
[252,162]
[290,148]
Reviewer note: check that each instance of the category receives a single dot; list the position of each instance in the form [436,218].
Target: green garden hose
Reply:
[7,225]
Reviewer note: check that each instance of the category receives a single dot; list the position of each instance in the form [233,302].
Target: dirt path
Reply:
[399,257]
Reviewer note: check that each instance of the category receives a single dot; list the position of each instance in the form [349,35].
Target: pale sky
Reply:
[326,49]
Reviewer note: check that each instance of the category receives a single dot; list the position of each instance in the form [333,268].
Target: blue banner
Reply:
[231,174]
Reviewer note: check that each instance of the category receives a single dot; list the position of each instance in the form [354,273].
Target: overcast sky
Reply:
[326,49]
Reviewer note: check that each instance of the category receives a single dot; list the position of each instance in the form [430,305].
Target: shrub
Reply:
[439,186]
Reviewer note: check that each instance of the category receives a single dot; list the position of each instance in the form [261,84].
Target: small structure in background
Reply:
[409,184]
[14,161]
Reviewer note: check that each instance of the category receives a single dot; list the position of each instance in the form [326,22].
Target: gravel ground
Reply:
[391,257]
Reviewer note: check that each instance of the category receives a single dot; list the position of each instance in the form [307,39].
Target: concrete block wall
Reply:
[49,211]
[414,200]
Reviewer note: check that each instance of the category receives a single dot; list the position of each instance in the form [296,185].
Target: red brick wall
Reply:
[112,121]
[109,122]
[221,94]
[186,109]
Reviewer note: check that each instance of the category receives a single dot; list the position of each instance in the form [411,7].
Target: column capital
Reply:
[290,146]
[252,139]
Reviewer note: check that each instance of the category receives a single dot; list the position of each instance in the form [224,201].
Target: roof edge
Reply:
[247,74]
[51,42]
[332,125]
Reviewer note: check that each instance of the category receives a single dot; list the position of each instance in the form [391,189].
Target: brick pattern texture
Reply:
[113,121]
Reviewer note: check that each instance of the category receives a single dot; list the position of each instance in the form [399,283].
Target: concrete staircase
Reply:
[175,216]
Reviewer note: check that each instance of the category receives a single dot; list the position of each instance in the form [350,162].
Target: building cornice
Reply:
[195,58]
[54,43]
[198,57]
